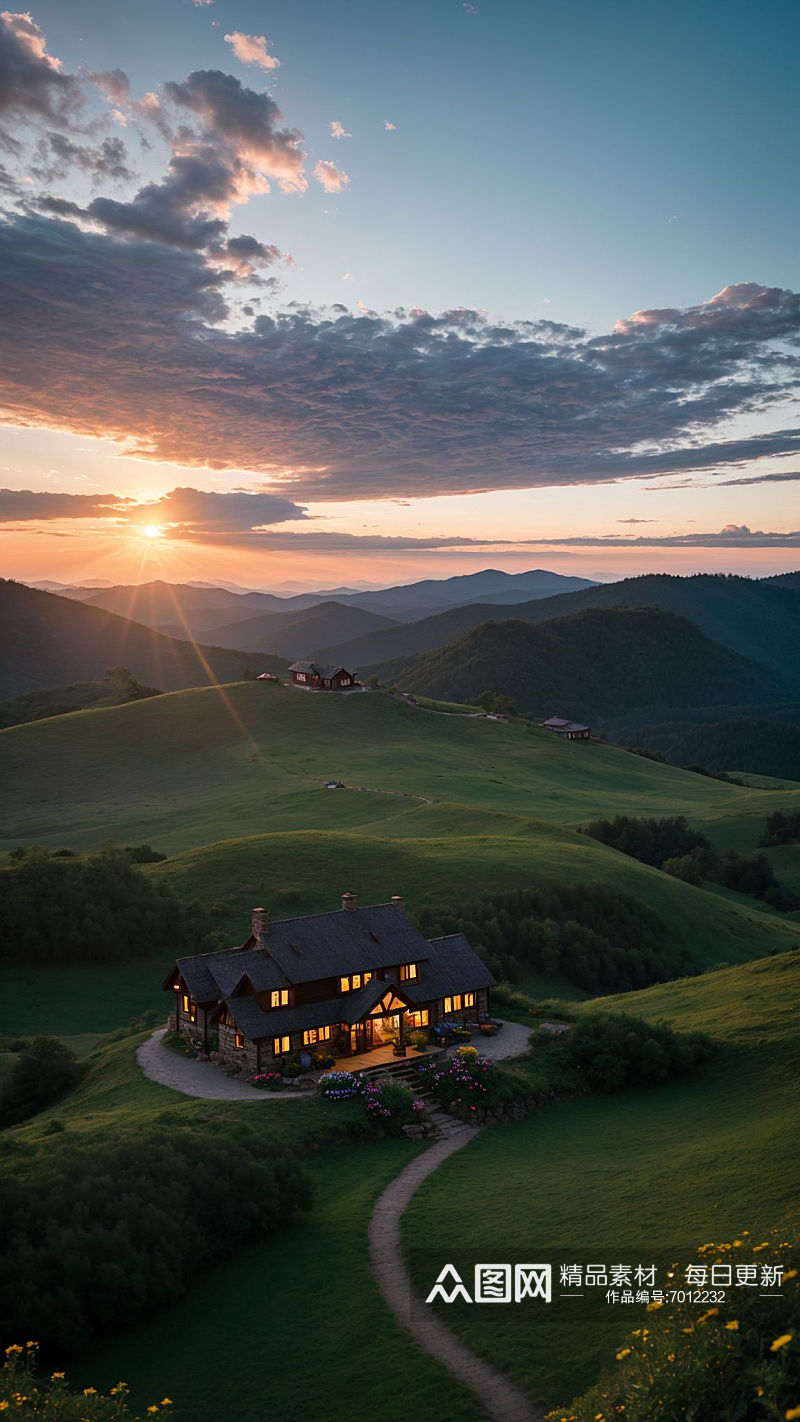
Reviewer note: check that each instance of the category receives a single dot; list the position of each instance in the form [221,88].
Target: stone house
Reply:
[340,983]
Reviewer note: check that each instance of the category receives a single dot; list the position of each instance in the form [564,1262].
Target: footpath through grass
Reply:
[635,1176]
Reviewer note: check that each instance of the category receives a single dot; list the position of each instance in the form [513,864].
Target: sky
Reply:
[366,292]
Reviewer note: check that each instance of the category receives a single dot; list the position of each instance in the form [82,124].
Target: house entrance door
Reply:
[360,1037]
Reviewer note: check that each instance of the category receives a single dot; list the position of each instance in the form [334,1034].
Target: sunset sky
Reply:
[328,293]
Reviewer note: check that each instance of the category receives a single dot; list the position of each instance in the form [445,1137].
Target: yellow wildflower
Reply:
[166,1402]
[670,1357]
[780,1342]
[651,1307]
[623,1353]
[791,1414]
[790,1274]
[56,1377]
[13,1349]
[733,1326]
[89,1391]
[4,1406]
[153,1408]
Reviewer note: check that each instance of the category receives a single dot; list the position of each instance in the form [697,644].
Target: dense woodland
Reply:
[763,747]
[94,1232]
[57,908]
[596,938]
[671,845]
[593,664]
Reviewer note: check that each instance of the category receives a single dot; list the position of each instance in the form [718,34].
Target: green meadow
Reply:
[626,1176]
[229,783]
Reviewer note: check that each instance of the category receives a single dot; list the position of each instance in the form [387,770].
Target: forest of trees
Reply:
[672,845]
[58,908]
[763,747]
[91,1237]
[593,936]
[780,829]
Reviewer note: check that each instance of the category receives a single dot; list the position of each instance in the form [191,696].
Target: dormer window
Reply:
[409,972]
[355,981]
[279,997]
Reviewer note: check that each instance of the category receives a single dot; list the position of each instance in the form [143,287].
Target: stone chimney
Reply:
[260,920]
[399,903]
[349,902]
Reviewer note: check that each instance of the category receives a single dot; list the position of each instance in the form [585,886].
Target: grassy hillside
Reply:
[593,664]
[60,700]
[48,641]
[650,1175]
[766,747]
[760,619]
[230,784]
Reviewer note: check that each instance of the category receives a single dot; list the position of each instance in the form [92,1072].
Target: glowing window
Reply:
[316,1034]
[279,997]
[469,999]
[408,971]
[448,1006]
[185,1003]
[457,1002]
[355,981]
[344,984]
[281,1045]
[239,1041]
[417,1019]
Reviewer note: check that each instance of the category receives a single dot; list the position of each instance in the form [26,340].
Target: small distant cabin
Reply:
[568,730]
[320,677]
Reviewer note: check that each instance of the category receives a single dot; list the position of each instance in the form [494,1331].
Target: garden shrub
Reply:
[42,1073]
[607,1051]
[472,1082]
[93,1232]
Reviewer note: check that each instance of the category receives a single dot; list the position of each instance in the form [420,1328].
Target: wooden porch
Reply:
[383,1057]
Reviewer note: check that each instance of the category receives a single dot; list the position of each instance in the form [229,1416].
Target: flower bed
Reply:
[470,1083]
[388,1103]
[268,1081]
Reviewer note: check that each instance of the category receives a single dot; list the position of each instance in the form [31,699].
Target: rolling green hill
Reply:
[760,619]
[650,1173]
[594,664]
[48,641]
[229,782]
[60,700]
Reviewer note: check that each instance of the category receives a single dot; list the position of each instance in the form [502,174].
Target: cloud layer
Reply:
[118,323]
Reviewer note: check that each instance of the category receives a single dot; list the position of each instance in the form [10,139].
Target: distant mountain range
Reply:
[595,664]
[759,618]
[50,641]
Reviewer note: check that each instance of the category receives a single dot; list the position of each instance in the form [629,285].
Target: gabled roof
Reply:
[210,976]
[257,1024]
[555,722]
[322,669]
[356,1005]
[452,966]
[573,726]
[332,945]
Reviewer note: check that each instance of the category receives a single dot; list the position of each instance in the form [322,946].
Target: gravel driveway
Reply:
[203,1079]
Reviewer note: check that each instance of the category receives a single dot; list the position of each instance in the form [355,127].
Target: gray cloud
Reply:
[124,340]
[205,512]
[31,82]
[22,505]
[789,476]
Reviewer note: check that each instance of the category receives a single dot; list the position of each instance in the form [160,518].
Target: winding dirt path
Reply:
[500,1398]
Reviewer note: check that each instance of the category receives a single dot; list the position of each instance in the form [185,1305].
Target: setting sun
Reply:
[152,530]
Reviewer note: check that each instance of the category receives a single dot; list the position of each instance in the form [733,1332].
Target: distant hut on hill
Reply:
[568,730]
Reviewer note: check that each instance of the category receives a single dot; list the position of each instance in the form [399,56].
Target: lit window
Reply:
[457,1002]
[312,1035]
[344,984]
[408,971]
[281,1045]
[355,981]
[448,1006]
[185,1002]
[418,1019]
[279,997]
[367,977]
[239,1042]
[469,999]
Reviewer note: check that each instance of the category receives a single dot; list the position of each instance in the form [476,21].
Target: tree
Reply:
[43,1072]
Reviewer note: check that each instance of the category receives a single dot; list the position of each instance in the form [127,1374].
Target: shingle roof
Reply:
[330,945]
[322,669]
[210,976]
[555,722]
[255,1023]
[452,966]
